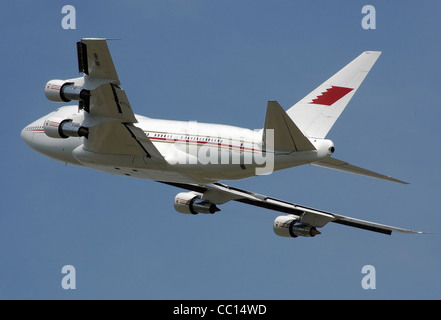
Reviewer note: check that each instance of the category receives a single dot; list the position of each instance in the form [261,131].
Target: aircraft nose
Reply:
[27,135]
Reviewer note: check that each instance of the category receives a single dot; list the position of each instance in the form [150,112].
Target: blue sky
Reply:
[221,61]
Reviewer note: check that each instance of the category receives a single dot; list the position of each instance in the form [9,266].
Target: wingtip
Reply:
[399,181]
[411,231]
[396,180]
[373,52]
[99,39]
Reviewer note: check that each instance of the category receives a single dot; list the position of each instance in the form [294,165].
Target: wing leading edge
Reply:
[219,193]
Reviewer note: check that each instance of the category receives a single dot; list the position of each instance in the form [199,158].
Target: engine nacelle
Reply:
[65,91]
[288,226]
[191,203]
[64,128]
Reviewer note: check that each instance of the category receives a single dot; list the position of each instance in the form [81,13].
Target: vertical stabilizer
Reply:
[316,113]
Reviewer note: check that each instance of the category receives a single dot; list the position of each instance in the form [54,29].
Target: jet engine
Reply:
[64,128]
[191,203]
[65,91]
[289,226]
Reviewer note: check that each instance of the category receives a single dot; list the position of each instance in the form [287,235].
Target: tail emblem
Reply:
[331,95]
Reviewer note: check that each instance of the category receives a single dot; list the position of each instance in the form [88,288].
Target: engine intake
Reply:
[191,203]
[289,226]
[64,128]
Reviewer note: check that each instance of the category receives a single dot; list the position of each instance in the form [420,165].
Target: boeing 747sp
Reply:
[102,132]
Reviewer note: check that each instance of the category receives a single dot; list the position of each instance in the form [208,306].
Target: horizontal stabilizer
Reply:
[287,136]
[335,164]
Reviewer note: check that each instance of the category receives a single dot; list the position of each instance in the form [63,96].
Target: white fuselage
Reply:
[194,152]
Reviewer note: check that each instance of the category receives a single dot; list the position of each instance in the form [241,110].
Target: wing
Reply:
[108,115]
[95,61]
[219,193]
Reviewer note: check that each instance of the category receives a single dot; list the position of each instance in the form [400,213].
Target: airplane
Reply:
[102,132]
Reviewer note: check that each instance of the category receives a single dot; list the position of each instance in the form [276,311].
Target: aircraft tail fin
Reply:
[316,113]
[287,136]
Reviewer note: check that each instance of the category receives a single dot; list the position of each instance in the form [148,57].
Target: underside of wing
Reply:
[95,61]
[218,193]
[108,113]
[371,226]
